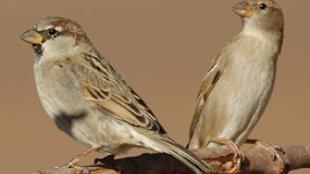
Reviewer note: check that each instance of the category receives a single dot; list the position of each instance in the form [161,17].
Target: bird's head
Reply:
[54,35]
[263,14]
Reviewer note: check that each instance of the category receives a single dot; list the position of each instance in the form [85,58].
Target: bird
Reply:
[88,100]
[239,83]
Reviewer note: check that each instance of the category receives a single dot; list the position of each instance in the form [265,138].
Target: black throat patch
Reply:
[38,51]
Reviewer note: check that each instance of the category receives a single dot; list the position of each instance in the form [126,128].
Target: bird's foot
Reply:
[78,157]
[235,164]
[77,167]
[72,163]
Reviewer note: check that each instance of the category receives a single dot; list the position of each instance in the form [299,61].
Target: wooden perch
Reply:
[255,158]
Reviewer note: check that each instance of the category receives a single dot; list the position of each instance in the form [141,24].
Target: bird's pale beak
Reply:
[32,36]
[243,9]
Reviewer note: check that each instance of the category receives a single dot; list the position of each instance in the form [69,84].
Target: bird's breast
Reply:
[250,73]
[57,90]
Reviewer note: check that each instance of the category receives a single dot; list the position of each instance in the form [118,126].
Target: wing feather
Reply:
[213,75]
[104,89]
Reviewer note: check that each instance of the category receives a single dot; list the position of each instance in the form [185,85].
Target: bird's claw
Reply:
[235,163]
[76,167]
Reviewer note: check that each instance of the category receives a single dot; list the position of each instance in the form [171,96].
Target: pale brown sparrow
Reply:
[88,99]
[238,85]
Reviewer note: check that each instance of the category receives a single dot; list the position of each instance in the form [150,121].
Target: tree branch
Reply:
[255,158]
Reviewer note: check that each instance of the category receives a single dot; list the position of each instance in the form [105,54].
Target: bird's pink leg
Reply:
[77,158]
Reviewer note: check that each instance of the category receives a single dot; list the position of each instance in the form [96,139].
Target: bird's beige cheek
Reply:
[59,46]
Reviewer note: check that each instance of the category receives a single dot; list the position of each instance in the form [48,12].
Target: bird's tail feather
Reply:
[168,146]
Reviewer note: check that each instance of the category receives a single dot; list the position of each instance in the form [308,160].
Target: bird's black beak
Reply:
[32,36]
[243,9]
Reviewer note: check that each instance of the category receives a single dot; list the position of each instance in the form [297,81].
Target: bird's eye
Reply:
[52,32]
[262,6]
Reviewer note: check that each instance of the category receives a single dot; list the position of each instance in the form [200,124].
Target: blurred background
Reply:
[163,49]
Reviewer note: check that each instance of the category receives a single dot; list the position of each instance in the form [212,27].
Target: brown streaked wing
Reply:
[213,75]
[105,90]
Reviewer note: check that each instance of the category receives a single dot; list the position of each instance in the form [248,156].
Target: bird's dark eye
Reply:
[52,32]
[262,6]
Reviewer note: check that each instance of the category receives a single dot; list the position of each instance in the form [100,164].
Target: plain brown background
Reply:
[163,49]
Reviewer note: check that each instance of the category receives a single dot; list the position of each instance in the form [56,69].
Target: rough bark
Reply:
[254,158]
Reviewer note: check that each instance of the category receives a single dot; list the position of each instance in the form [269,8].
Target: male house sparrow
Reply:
[237,87]
[88,99]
